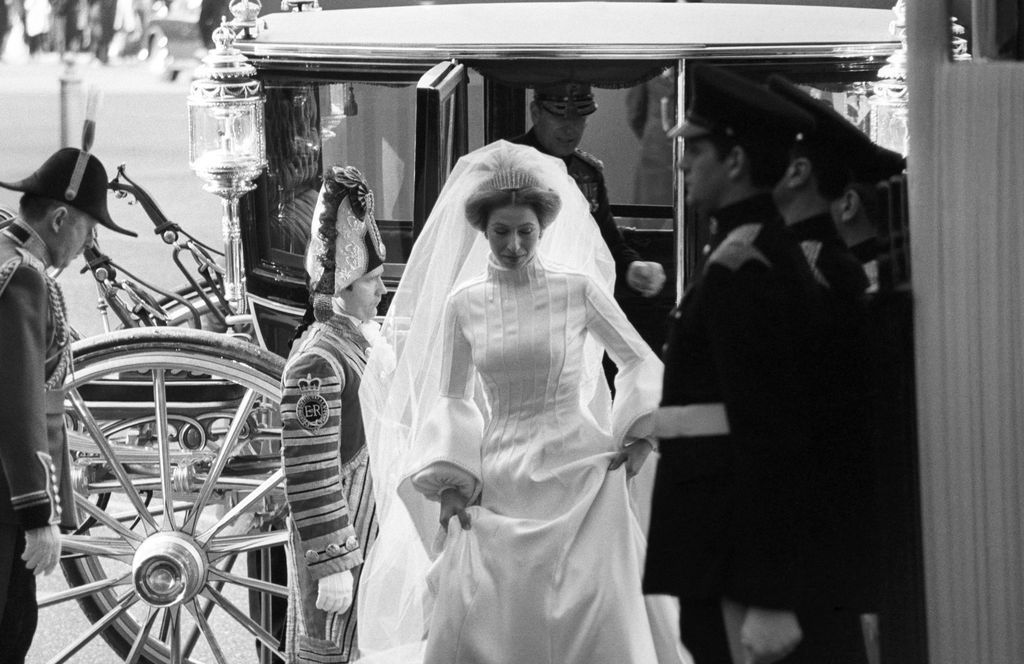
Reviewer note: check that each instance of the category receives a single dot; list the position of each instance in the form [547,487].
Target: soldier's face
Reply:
[560,135]
[513,233]
[705,175]
[361,297]
[73,231]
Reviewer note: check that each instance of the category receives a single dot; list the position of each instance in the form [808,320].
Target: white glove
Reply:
[42,549]
[335,592]
[645,277]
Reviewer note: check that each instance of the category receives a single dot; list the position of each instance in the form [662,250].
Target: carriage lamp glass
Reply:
[227,147]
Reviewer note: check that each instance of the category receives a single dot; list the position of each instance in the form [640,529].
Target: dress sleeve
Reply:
[310,434]
[450,436]
[29,472]
[638,381]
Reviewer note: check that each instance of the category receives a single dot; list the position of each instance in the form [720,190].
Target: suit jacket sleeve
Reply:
[755,349]
[29,473]
[310,453]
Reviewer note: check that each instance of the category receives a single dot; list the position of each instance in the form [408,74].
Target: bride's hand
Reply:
[454,503]
[633,455]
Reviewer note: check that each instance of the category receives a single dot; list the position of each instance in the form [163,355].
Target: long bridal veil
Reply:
[399,386]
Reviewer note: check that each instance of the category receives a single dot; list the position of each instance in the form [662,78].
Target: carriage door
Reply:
[441,133]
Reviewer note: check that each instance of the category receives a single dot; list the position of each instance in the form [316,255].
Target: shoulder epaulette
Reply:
[7,269]
[737,249]
[590,159]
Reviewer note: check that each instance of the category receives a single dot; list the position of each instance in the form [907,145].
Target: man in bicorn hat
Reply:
[333,518]
[60,207]
[728,523]
[559,114]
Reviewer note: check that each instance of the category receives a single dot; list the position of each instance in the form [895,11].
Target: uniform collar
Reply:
[820,227]
[28,239]
[758,209]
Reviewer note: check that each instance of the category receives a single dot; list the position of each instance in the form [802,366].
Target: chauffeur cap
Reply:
[58,178]
[839,138]
[564,99]
[726,104]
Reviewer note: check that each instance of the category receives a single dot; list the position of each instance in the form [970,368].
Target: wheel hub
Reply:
[169,568]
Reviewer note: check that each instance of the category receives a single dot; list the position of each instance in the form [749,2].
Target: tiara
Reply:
[509,179]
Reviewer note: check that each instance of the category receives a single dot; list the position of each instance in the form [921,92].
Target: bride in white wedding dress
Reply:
[494,406]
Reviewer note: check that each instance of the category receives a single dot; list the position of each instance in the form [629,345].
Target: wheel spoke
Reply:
[193,636]
[204,626]
[245,543]
[84,590]
[252,584]
[223,455]
[108,547]
[107,520]
[142,637]
[163,446]
[115,467]
[257,494]
[175,613]
[122,606]
[242,619]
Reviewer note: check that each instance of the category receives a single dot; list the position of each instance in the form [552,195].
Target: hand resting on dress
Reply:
[454,503]
[335,592]
[633,455]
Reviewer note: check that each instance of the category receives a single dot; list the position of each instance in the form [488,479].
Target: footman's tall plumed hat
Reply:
[74,177]
[564,99]
[726,104]
[345,242]
[838,138]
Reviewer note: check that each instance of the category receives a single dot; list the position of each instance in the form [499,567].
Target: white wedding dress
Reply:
[549,572]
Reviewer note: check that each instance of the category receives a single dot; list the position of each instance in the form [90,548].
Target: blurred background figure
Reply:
[651,112]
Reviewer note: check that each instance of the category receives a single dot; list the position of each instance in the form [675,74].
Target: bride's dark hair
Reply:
[511,187]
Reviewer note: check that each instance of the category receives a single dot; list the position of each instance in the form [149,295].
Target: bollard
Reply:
[70,100]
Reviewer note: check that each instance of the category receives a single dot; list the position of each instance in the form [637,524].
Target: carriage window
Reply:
[312,126]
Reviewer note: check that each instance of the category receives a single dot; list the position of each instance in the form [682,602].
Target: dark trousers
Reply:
[829,637]
[18,609]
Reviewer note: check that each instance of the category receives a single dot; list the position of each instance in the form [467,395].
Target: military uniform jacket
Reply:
[35,482]
[588,172]
[728,510]
[843,524]
[322,428]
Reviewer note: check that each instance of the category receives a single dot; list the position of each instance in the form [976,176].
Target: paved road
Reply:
[142,122]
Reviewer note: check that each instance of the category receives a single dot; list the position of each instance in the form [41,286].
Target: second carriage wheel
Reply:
[175,446]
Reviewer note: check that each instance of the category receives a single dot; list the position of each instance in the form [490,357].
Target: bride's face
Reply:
[513,233]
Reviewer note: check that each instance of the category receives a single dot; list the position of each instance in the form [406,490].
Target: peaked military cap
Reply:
[866,161]
[563,99]
[730,105]
[82,186]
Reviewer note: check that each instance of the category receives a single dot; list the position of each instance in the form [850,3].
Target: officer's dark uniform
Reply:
[730,515]
[35,482]
[585,168]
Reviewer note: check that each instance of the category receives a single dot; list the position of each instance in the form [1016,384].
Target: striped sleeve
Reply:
[310,436]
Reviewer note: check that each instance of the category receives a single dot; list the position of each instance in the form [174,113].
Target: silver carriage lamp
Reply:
[227,148]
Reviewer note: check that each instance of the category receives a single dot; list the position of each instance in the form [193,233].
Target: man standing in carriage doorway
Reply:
[333,519]
[559,113]
[61,204]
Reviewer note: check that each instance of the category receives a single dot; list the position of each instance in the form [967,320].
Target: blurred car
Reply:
[173,42]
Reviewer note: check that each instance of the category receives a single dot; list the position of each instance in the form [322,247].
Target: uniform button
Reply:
[333,549]
[56,500]
[352,543]
[312,556]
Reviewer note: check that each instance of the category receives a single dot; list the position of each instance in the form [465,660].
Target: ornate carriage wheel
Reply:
[174,435]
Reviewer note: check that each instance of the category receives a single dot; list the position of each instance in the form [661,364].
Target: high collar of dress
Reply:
[517,274]
[758,209]
[29,239]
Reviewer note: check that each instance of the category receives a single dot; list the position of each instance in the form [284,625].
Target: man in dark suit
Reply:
[61,205]
[729,516]
[559,114]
